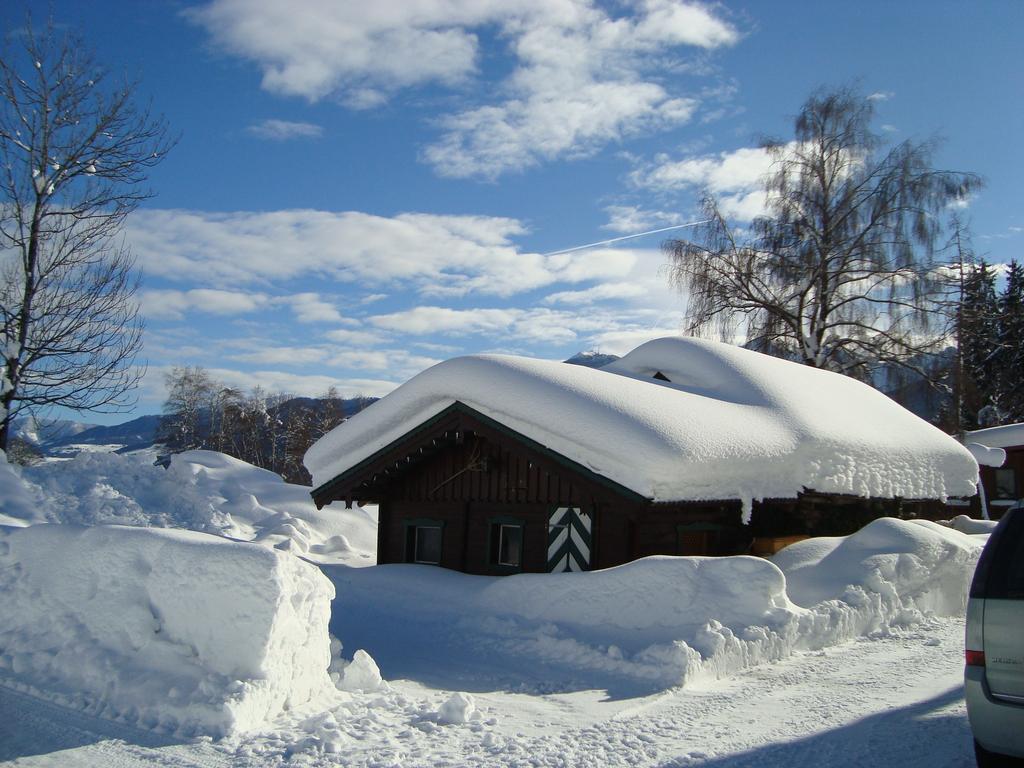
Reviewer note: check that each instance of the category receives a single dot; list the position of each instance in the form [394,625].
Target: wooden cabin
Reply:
[495,465]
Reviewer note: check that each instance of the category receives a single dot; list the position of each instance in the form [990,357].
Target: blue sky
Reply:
[363,189]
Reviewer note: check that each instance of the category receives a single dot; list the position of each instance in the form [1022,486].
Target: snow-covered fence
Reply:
[173,630]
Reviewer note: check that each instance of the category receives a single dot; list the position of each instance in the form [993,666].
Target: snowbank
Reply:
[201,490]
[172,630]
[730,423]
[660,621]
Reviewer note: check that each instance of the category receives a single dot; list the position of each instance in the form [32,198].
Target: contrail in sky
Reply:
[625,237]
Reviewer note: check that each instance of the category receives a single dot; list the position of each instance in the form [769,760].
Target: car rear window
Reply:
[1000,571]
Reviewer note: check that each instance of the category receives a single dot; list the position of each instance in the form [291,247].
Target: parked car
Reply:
[994,672]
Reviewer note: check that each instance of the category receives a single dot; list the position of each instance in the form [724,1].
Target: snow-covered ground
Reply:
[885,700]
[842,651]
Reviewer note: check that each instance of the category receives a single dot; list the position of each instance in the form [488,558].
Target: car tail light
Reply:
[974,658]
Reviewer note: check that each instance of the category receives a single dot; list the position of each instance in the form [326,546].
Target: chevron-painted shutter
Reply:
[569,540]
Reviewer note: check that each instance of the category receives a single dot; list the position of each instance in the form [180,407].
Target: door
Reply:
[569,540]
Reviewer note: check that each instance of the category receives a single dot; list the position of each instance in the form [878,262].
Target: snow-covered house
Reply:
[500,464]
[1002,479]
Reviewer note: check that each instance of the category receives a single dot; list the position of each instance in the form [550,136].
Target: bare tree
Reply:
[189,409]
[74,153]
[838,272]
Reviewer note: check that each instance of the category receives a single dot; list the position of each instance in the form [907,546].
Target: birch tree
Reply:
[838,272]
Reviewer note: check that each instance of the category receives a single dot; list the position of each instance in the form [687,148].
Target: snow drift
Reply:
[201,490]
[917,565]
[728,424]
[172,630]
[659,621]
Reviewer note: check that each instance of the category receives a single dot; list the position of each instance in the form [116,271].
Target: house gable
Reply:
[443,455]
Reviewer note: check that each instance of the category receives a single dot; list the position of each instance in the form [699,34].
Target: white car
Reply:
[994,672]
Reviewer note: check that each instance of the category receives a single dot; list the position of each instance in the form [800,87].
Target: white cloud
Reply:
[631,218]
[600,292]
[735,171]
[512,325]
[174,304]
[354,338]
[551,123]
[881,96]
[581,77]
[443,320]
[310,308]
[284,130]
[350,49]
[439,255]
[394,361]
[579,85]
[399,363]
[735,178]
[282,356]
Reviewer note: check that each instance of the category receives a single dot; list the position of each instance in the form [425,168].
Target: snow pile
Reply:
[457,709]
[201,490]
[729,424]
[171,630]
[361,675]
[660,621]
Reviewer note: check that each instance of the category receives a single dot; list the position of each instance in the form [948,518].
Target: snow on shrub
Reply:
[173,630]
[201,490]
[915,566]
[665,621]
[966,524]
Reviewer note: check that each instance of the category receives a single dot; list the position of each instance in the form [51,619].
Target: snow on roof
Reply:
[727,424]
[1006,436]
[985,456]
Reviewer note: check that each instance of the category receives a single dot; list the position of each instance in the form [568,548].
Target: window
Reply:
[510,545]
[506,544]
[423,543]
[1006,484]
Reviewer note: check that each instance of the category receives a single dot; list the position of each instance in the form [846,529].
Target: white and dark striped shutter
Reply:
[569,540]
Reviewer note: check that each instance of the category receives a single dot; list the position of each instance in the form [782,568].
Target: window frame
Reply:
[1004,472]
[494,528]
[412,528]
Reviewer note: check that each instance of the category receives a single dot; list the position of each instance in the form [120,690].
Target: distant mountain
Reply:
[131,436]
[43,432]
[591,359]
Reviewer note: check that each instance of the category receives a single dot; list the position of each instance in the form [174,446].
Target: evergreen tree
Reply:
[978,333]
[1009,355]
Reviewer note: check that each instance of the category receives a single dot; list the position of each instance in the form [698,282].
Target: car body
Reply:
[994,671]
